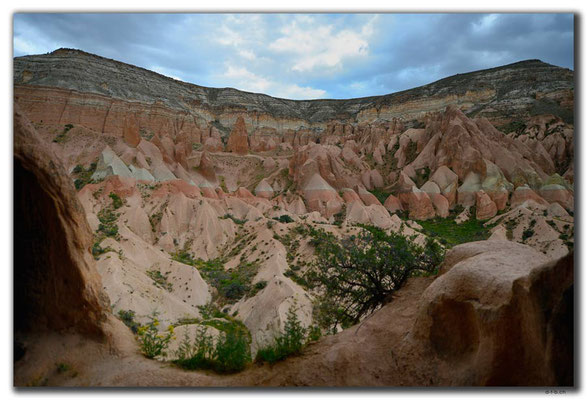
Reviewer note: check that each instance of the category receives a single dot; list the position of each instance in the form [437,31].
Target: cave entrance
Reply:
[46,283]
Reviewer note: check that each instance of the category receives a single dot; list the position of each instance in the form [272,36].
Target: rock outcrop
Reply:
[56,284]
[238,141]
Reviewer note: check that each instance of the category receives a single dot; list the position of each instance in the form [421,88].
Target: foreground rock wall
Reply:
[56,285]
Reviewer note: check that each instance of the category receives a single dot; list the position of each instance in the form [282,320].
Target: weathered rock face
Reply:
[56,285]
[238,141]
[514,332]
[486,207]
[167,104]
[130,131]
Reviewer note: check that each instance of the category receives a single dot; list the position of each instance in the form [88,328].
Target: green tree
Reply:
[357,275]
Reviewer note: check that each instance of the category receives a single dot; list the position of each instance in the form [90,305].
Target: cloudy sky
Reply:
[305,56]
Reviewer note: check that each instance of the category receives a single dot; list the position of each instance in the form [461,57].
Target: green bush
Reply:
[196,355]
[234,219]
[285,219]
[151,342]
[183,257]
[527,234]
[128,317]
[116,200]
[289,342]
[230,354]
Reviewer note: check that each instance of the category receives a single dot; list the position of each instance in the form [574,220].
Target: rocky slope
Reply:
[185,187]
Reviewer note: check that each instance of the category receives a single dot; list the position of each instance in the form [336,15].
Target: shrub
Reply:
[233,284]
[160,280]
[128,317]
[230,354]
[183,257]
[527,234]
[289,342]
[116,200]
[285,219]
[153,343]
[358,274]
[234,219]
[196,355]
[83,176]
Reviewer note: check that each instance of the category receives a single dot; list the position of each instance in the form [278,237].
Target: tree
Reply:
[356,275]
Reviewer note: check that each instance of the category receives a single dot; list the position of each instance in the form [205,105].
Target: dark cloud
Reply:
[289,55]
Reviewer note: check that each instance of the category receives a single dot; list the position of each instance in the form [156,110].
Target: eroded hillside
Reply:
[201,200]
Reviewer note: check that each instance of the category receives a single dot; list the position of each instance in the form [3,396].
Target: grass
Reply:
[450,234]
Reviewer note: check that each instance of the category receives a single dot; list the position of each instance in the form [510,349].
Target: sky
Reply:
[305,56]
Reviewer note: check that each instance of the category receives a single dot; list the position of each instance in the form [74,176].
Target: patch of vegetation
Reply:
[63,135]
[151,342]
[98,250]
[411,152]
[184,257]
[529,232]
[234,219]
[381,194]
[155,218]
[284,219]
[160,280]
[287,343]
[197,146]
[518,127]
[223,184]
[63,367]
[230,354]
[232,284]
[128,317]
[83,176]
[146,134]
[450,234]
[257,287]
[341,215]
[116,200]
[108,226]
[358,274]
